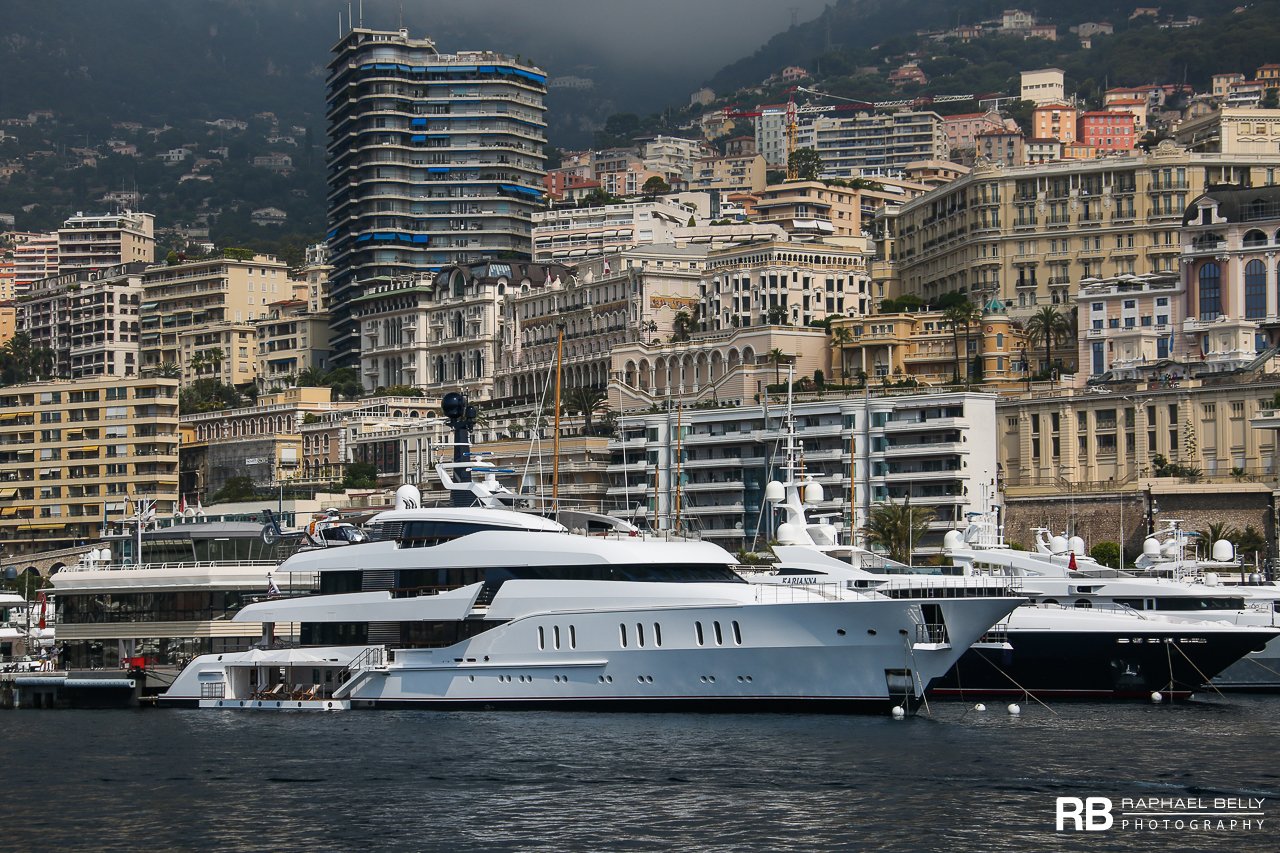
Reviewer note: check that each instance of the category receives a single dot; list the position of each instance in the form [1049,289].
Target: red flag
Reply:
[42,606]
[1072,564]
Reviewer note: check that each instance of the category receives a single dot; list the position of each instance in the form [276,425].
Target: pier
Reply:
[70,689]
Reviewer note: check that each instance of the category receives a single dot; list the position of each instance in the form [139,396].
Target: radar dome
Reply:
[1223,551]
[774,493]
[952,540]
[789,534]
[408,497]
[1076,544]
[1058,545]
[826,534]
[1151,547]
[813,493]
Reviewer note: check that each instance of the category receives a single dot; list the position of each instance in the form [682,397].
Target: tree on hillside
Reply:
[655,186]
[805,164]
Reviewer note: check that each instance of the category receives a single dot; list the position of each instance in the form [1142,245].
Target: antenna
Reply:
[362,13]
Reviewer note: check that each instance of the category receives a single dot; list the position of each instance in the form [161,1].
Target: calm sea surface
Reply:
[959,780]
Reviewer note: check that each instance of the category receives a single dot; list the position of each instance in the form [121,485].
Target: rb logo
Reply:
[1090,814]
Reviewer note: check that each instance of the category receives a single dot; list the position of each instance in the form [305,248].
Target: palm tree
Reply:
[21,361]
[681,326]
[777,356]
[1251,542]
[588,400]
[777,316]
[169,370]
[197,363]
[897,528]
[954,316]
[214,357]
[310,377]
[970,315]
[1219,530]
[1046,325]
[841,337]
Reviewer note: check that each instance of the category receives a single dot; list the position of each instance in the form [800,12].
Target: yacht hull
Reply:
[831,656]
[1099,665]
[1257,671]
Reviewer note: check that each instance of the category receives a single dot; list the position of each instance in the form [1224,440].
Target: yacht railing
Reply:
[932,632]
[193,565]
[370,658]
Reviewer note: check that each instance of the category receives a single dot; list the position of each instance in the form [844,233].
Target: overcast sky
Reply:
[699,35]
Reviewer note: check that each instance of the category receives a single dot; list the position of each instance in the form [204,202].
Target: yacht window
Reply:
[622,632]
[697,629]
[719,636]
[555,634]
[1207,603]
[424,534]
[657,634]
[573,637]
[1133,603]
[1083,604]
[737,633]
[640,634]
[542,639]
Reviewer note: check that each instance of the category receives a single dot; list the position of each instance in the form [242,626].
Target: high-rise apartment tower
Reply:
[434,159]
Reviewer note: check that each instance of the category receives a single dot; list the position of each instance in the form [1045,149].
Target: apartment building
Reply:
[962,130]
[707,469]
[673,157]
[94,241]
[1004,147]
[291,339]
[1108,131]
[443,333]
[812,208]
[781,282]
[922,347]
[1128,326]
[578,232]
[606,303]
[1030,234]
[1043,86]
[198,316]
[1109,440]
[1232,130]
[850,145]
[75,455]
[89,320]
[8,276]
[35,256]
[434,160]
[1055,120]
[1230,277]
[742,174]
[261,441]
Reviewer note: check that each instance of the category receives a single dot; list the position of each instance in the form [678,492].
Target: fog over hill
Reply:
[155,59]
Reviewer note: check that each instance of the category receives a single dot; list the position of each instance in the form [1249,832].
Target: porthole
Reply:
[640,678]
[748,679]
[711,678]
[471,678]
[740,679]
[649,678]
[871,632]
[608,679]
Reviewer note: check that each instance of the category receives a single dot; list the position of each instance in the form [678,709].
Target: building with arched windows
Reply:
[1231,277]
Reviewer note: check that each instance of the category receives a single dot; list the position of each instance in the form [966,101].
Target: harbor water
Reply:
[959,779]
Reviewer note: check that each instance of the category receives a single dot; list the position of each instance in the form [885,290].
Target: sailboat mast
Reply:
[555,450]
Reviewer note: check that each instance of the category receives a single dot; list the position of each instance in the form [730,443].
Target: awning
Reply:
[7,511]
[41,527]
[94,448]
[9,416]
[6,494]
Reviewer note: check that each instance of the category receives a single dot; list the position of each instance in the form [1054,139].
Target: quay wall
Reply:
[1097,517]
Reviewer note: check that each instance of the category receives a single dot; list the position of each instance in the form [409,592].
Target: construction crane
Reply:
[919,101]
